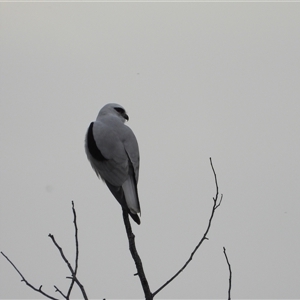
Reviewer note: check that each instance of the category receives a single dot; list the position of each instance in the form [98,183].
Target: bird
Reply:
[113,151]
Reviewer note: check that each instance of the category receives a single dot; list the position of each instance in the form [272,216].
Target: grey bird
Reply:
[112,149]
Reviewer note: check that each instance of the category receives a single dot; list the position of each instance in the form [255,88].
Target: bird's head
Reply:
[114,109]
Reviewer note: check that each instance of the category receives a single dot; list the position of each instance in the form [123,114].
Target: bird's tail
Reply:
[119,195]
[135,218]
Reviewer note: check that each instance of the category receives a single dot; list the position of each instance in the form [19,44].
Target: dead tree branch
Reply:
[73,271]
[77,250]
[136,257]
[230,274]
[59,291]
[39,290]
[73,278]
[216,204]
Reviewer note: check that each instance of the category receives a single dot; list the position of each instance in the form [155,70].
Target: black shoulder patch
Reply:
[92,146]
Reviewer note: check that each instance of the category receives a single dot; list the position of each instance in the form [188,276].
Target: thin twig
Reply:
[217,203]
[58,290]
[77,250]
[39,290]
[136,257]
[76,237]
[230,274]
[61,253]
[216,181]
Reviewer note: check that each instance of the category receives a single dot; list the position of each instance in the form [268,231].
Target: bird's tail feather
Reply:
[119,195]
[131,195]
[135,218]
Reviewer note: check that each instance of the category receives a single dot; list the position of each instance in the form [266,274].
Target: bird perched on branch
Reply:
[113,152]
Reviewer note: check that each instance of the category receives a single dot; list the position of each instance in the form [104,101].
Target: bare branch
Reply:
[77,250]
[230,274]
[61,253]
[58,290]
[39,290]
[136,257]
[216,181]
[217,203]
[73,272]
[76,237]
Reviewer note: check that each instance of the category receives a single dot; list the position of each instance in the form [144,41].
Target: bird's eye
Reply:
[120,110]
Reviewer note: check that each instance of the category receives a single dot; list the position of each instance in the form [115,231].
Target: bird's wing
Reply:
[130,185]
[132,150]
[106,153]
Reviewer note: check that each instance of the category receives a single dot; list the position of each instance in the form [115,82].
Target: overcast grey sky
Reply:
[198,80]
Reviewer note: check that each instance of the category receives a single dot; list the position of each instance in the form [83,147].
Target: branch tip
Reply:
[230,273]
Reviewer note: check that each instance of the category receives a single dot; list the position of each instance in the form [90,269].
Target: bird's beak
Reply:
[126,117]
